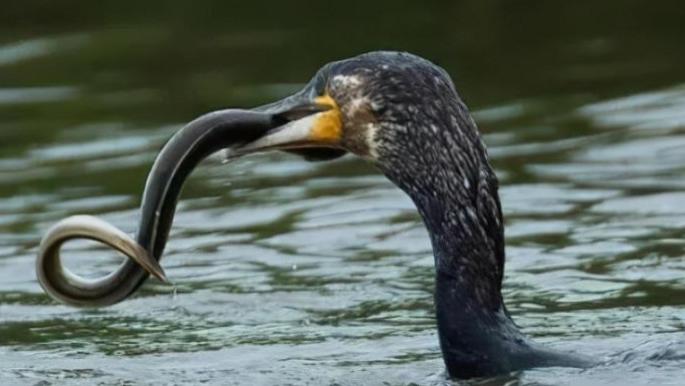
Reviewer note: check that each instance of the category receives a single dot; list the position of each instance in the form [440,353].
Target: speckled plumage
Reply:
[403,113]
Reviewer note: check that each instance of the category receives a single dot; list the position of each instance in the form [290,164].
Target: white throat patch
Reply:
[371,144]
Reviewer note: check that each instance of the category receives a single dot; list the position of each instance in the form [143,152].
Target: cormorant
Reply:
[396,110]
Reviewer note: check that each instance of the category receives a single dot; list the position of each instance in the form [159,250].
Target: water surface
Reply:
[296,273]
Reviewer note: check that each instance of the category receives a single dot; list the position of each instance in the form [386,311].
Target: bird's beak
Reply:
[307,122]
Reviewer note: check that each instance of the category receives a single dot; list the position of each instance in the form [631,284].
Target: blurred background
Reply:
[289,272]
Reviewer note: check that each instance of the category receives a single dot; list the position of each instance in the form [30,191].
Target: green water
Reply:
[295,273]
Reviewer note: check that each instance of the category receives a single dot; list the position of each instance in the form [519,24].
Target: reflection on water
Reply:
[295,273]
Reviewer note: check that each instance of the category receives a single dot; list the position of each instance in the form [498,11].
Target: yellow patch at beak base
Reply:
[328,127]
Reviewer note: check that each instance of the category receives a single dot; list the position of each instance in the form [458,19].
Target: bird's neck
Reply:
[460,207]
[467,239]
[469,254]
[477,336]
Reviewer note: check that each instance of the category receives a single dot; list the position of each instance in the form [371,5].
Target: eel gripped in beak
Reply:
[304,123]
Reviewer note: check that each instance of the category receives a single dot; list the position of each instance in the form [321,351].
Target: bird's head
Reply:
[397,110]
[403,114]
